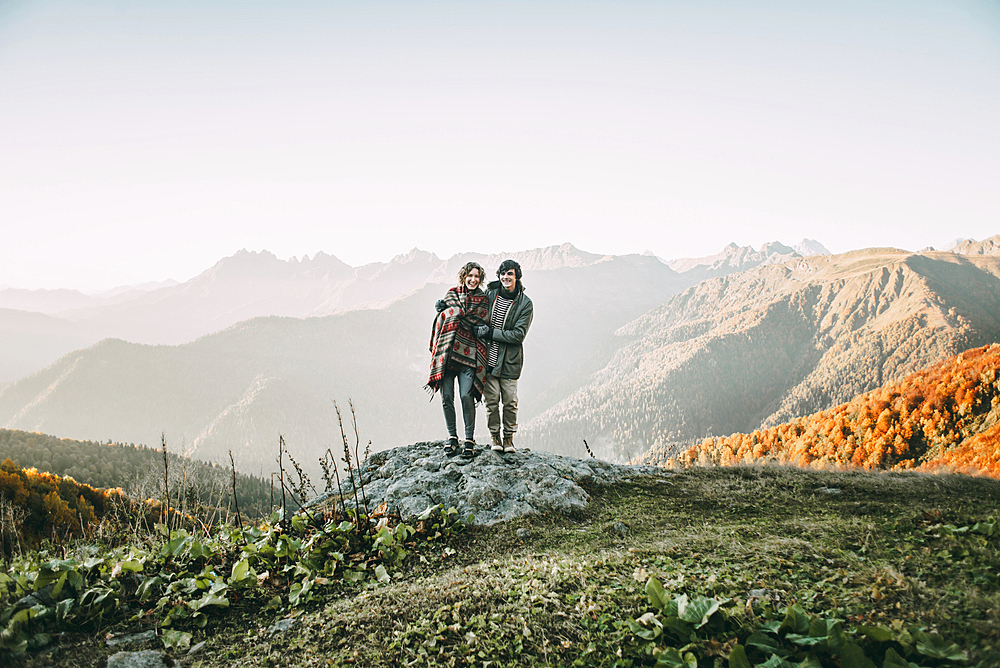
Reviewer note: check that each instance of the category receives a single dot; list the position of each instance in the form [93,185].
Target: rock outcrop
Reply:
[492,487]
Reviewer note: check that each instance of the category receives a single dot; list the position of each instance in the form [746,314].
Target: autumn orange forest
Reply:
[945,418]
[40,505]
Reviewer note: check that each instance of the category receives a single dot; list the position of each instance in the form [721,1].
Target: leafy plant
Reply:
[184,579]
[679,632]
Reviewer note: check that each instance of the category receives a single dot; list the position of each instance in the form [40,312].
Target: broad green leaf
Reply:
[427,513]
[765,643]
[353,576]
[273,604]
[852,656]
[936,647]
[381,575]
[876,633]
[240,570]
[894,660]
[173,639]
[805,641]
[57,589]
[820,628]
[811,661]
[63,608]
[672,658]
[987,528]
[775,662]
[699,610]
[89,564]
[75,580]
[651,632]
[796,621]
[675,605]
[738,658]
[678,628]
[836,638]
[22,616]
[132,566]
[210,599]
[147,587]
[657,595]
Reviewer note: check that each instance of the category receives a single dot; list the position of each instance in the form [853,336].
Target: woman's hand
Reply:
[440,305]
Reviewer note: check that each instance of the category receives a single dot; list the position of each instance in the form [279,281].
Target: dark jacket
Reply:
[511,335]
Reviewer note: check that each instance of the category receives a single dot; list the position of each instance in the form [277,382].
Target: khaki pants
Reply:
[495,391]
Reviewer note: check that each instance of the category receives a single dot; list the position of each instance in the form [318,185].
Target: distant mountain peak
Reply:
[989,246]
[808,247]
[415,254]
[734,258]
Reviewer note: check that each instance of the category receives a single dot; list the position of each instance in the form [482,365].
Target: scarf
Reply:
[452,341]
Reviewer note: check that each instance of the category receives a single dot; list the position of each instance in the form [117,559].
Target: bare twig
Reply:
[166,483]
[347,460]
[281,472]
[357,442]
[239,522]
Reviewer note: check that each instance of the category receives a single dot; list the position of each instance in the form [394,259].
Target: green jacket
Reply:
[511,335]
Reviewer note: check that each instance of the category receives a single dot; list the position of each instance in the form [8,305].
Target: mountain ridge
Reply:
[755,348]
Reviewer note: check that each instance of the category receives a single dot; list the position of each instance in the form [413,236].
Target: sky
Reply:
[141,141]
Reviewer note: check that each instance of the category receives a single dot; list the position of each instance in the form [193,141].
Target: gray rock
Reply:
[282,625]
[132,639]
[493,487]
[619,528]
[523,533]
[149,658]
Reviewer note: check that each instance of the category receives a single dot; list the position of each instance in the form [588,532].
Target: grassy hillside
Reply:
[769,560]
[762,347]
[945,416]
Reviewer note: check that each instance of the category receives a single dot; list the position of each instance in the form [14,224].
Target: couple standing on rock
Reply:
[476,340]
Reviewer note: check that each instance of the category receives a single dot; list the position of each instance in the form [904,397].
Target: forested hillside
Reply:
[761,347]
[135,469]
[36,505]
[944,417]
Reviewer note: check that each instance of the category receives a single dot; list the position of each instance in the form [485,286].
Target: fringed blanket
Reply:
[452,340]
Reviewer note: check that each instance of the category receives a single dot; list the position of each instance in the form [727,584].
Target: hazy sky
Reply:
[147,140]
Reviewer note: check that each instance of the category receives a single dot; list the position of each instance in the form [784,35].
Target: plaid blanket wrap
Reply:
[452,340]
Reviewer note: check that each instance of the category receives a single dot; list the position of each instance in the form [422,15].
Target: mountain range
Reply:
[627,352]
[760,347]
[243,386]
[251,284]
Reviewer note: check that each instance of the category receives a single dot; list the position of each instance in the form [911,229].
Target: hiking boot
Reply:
[470,449]
[508,443]
[452,448]
[497,443]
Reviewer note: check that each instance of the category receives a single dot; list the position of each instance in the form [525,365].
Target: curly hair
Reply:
[469,266]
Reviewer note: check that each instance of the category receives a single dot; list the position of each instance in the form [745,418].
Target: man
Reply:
[510,316]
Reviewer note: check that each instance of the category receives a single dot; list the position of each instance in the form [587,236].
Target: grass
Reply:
[866,548]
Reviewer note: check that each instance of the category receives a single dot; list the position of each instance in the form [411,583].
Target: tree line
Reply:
[139,472]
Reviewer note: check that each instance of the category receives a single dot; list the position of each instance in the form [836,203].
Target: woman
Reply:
[456,354]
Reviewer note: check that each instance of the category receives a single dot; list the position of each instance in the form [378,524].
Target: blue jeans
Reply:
[465,377]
